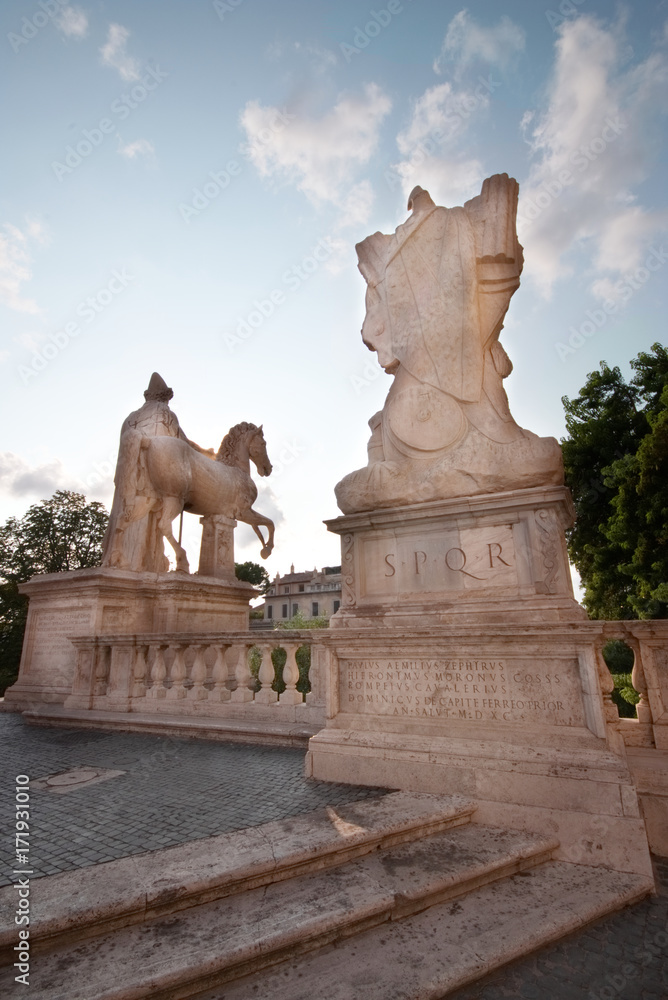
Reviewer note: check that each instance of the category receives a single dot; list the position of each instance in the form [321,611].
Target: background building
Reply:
[314,593]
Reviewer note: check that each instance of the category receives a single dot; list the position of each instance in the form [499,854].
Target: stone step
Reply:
[430,954]
[88,902]
[183,954]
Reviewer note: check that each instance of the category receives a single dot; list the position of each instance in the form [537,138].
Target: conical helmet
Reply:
[158,389]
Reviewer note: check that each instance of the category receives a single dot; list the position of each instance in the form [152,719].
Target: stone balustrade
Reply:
[649,642]
[226,674]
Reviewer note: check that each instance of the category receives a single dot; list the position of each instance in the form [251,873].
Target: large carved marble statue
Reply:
[160,473]
[438,291]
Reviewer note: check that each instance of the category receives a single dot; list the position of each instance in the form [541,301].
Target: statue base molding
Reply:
[101,601]
[491,558]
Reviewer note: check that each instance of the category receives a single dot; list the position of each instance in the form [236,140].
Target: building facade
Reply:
[314,593]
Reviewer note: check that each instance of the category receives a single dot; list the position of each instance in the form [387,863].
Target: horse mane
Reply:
[228,446]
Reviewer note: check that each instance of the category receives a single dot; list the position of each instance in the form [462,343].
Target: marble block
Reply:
[101,601]
[483,558]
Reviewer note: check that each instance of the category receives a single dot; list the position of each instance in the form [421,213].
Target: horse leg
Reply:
[171,508]
[256,520]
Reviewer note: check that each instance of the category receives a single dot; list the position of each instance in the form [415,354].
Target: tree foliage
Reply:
[54,536]
[616,463]
[253,573]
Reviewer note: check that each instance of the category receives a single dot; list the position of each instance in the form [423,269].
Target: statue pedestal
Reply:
[460,662]
[101,601]
[493,558]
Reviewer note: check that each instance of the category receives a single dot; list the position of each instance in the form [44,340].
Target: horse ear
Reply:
[260,427]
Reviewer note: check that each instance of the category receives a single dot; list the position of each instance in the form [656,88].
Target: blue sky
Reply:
[184,183]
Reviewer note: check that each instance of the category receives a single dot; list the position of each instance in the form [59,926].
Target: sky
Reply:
[184,182]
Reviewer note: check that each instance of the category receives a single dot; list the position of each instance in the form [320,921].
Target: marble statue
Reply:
[438,291]
[160,473]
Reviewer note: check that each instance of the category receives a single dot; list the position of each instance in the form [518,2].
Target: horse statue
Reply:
[174,477]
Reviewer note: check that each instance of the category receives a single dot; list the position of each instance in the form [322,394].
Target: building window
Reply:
[295,609]
[301,588]
[286,590]
[285,611]
[270,611]
[314,609]
[337,605]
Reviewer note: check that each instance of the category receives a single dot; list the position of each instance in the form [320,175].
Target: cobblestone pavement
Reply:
[173,791]
[177,790]
[622,957]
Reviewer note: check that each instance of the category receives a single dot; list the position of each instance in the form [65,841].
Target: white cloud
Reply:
[113,53]
[591,148]
[439,114]
[72,21]
[320,156]
[466,41]
[140,147]
[15,264]
[19,479]
[439,119]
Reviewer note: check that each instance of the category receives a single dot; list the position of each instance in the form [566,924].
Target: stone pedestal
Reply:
[103,601]
[216,554]
[460,662]
[491,558]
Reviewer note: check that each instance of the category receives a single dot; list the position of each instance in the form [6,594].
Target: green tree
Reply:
[616,463]
[253,573]
[54,536]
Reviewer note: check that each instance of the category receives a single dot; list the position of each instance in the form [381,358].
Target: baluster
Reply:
[265,696]
[220,674]
[243,692]
[291,696]
[198,675]
[139,671]
[178,673]
[158,674]
[643,708]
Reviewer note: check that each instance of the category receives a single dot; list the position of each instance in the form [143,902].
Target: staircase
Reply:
[395,898]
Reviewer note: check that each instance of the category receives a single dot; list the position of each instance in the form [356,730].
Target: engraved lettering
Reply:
[389,556]
[495,551]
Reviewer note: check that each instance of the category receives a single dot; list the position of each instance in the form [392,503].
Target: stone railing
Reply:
[198,674]
[649,642]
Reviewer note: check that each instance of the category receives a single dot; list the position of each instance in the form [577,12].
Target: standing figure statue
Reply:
[160,473]
[438,291]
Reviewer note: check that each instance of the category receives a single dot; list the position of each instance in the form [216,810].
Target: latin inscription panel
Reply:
[464,688]
[458,559]
[52,652]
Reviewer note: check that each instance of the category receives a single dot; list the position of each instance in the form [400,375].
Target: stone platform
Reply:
[101,600]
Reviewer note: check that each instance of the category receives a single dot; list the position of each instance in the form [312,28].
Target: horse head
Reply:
[257,450]
[244,441]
